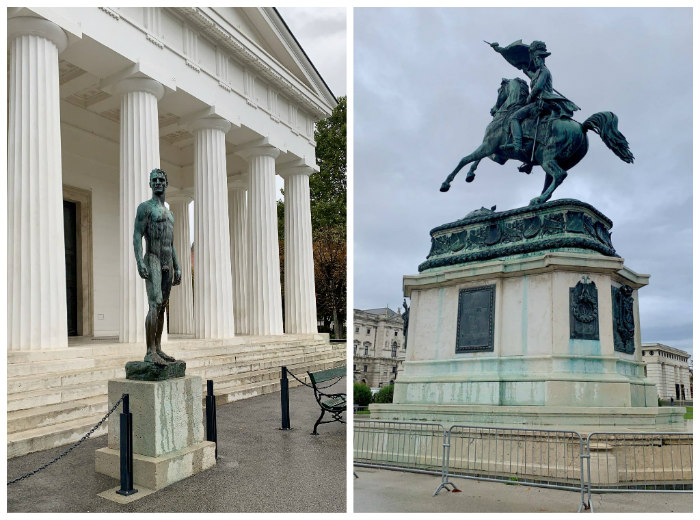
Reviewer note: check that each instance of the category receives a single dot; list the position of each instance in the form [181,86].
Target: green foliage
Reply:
[385,395]
[328,187]
[688,412]
[362,394]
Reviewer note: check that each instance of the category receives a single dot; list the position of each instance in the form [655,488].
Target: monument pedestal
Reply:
[168,432]
[526,318]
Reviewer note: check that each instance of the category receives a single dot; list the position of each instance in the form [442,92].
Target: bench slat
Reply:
[325,375]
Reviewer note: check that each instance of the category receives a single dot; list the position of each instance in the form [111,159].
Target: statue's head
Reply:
[158,180]
[538,51]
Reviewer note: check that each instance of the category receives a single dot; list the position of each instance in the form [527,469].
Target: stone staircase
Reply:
[54,397]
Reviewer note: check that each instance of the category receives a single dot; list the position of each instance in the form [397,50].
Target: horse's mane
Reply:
[517,95]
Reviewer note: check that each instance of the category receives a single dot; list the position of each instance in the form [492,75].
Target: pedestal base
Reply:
[168,434]
[580,419]
[158,472]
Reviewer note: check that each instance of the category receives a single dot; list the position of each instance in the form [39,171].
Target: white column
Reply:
[238,230]
[181,307]
[299,288]
[36,266]
[213,303]
[264,289]
[139,153]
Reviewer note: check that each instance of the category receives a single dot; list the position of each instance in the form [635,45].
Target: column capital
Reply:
[139,84]
[289,171]
[258,149]
[237,182]
[213,122]
[31,25]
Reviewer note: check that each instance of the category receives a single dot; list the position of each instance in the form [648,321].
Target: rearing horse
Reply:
[560,150]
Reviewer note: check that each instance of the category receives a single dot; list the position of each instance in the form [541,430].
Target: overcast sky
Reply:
[424,84]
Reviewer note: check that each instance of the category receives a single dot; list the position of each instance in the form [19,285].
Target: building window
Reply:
[364,369]
[357,329]
[366,350]
[394,348]
[396,333]
[393,370]
[368,330]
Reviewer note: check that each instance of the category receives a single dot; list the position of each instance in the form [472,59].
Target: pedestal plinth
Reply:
[526,318]
[168,433]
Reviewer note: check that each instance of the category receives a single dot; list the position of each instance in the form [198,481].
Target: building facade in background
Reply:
[668,367]
[378,347]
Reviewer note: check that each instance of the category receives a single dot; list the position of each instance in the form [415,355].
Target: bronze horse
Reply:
[561,142]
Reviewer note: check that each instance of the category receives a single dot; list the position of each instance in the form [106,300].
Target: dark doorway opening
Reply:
[71,245]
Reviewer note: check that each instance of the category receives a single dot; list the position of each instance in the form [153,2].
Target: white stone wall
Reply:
[667,367]
[92,163]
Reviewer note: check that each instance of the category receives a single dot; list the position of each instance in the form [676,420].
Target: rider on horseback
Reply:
[542,98]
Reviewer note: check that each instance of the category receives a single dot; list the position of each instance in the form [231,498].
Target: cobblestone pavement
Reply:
[260,468]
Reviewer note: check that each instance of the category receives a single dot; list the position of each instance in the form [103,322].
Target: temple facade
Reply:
[224,100]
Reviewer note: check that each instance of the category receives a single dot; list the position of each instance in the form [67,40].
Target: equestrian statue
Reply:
[535,124]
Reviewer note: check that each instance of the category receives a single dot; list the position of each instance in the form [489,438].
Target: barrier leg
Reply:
[284,397]
[211,417]
[126,450]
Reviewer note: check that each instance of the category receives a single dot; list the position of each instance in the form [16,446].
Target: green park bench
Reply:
[335,404]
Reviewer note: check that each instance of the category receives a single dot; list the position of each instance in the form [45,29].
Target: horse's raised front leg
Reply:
[476,155]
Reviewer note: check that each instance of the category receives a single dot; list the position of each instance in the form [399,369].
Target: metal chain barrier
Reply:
[86,436]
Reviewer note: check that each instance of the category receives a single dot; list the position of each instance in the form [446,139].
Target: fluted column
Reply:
[238,230]
[36,266]
[299,288]
[264,289]
[181,306]
[139,153]
[213,303]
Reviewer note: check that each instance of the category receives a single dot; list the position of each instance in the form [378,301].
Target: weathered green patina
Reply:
[534,125]
[160,268]
[484,234]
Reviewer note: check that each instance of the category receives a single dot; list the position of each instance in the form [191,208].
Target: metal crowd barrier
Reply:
[408,446]
[640,462]
[615,462]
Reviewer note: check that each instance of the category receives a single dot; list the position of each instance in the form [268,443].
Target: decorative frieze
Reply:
[485,234]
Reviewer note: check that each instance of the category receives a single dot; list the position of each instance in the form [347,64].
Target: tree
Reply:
[362,394]
[330,271]
[385,394]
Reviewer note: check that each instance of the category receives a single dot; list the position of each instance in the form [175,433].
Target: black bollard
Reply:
[126,450]
[284,396]
[211,416]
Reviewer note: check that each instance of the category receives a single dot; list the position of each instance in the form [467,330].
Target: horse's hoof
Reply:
[444,187]
[470,177]
[535,202]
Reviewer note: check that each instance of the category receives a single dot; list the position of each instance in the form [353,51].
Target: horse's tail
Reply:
[605,125]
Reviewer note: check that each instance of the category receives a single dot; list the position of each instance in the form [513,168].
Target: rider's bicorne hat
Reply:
[538,48]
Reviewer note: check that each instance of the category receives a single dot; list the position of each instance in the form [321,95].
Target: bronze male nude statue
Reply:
[159,266]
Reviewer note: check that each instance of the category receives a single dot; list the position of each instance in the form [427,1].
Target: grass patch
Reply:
[688,412]
[362,412]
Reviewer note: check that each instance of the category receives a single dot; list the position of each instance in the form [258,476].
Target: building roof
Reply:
[385,311]
[666,348]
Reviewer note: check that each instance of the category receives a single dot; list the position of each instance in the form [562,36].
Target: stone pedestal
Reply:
[526,317]
[168,432]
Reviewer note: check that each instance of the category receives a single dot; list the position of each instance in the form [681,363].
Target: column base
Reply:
[158,472]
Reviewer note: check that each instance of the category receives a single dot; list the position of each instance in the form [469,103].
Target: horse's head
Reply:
[511,92]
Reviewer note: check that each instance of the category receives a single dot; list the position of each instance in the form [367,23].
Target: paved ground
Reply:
[260,468]
[382,491]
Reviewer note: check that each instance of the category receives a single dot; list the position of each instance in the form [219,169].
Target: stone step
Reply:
[35,386]
[86,360]
[55,378]
[41,416]
[46,437]
[27,419]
